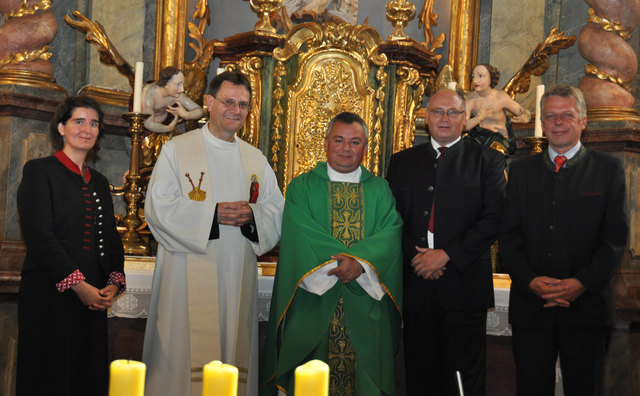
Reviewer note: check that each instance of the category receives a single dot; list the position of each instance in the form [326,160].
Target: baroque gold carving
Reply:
[399,12]
[330,90]
[95,33]
[277,112]
[538,61]
[196,70]
[26,56]
[426,19]
[608,25]
[405,107]
[250,67]
[265,8]
[594,71]
[375,148]
[333,76]
[25,9]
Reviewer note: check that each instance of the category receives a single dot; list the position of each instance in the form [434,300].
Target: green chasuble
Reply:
[299,321]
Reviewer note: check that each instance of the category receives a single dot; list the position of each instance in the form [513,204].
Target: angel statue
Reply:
[487,110]
[164,100]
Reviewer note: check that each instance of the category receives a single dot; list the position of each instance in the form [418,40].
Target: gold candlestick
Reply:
[537,143]
[131,239]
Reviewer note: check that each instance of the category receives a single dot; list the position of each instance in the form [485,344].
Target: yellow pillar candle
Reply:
[127,378]
[220,379]
[312,379]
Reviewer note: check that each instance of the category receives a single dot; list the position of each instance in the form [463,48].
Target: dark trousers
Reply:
[582,350]
[437,343]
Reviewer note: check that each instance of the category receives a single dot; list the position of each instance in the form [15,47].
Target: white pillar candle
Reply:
[537,132]
[137,87]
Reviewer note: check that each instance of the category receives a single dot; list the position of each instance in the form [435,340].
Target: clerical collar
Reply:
[351,177]
[569,154]
[69,164]
[437,145]
[216,140]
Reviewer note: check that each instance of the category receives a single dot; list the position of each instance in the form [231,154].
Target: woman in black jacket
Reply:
[74,265]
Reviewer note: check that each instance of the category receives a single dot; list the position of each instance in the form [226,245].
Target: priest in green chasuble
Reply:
[337,292]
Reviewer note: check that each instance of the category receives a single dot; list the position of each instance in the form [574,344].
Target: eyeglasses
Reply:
[440,113]
[563,116]
[230,103]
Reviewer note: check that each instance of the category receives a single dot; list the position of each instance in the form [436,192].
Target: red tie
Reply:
[559,160]
[433,202]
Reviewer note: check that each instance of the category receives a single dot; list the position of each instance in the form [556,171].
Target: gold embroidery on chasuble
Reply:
[346,212]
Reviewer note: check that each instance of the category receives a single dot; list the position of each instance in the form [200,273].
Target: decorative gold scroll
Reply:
[381,76]
[406,106]
[594,71]
[608,25]
[277,112]
[250,67]
[538,61]
[95,33]
[26,56]
[426,19]
[25,9]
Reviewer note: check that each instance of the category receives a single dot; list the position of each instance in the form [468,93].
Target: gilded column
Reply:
[171,30]
[463,39]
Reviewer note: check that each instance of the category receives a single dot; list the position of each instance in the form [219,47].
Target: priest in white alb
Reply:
[213,204]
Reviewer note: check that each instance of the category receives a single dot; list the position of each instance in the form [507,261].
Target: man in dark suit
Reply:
[563,235]
[449,193]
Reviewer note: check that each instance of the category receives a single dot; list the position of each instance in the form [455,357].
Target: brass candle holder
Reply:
[537,143]
[132,242]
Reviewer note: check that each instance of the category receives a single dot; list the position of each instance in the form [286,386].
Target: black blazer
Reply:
[468,184]
[570,224]
[65,221]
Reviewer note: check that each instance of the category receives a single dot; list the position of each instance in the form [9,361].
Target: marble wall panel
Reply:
[29,140]
[124,23]
[515,31]
[64,45]
[574,15]
[5,145]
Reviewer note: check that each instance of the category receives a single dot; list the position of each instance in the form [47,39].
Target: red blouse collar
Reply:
[66,161]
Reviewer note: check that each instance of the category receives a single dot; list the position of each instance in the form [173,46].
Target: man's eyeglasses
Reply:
[563,116]
[440,113]
[230,103]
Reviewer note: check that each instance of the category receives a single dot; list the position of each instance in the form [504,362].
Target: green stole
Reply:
[346,211]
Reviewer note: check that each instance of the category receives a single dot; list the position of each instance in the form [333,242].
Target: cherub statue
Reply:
[167,104]
[487,109]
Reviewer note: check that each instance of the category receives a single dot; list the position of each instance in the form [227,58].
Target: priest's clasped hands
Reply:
[236,213]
